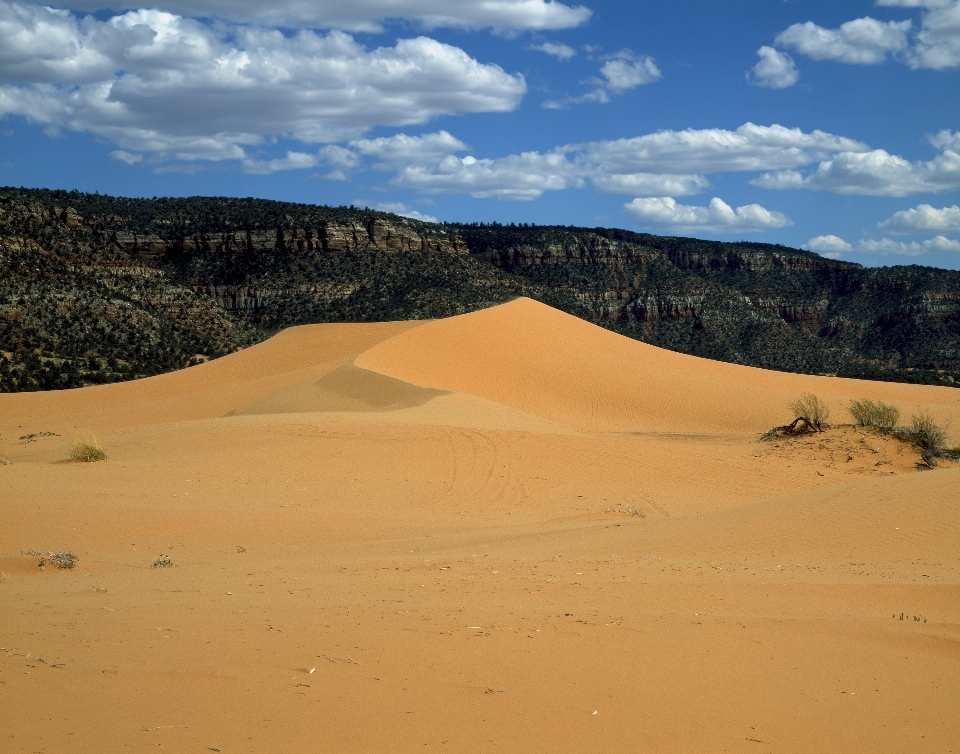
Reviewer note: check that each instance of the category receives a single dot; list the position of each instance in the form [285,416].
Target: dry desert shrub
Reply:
[925,433]
[86,448]
[812,410]
[878,414]
[163,561]
[930,437]
[63,560]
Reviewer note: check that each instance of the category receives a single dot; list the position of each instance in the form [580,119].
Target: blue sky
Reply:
[832,126]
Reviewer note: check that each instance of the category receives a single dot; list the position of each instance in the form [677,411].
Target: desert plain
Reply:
[507,531]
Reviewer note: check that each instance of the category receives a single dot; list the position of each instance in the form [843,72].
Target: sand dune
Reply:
[506,531]
[532,357]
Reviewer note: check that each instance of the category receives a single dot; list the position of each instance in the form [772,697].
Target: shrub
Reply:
[869,413]
[163,561]
[63,559]
[86,449]
[810,409]
[927,434]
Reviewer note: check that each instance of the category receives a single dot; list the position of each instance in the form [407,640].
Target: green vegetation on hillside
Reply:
[96,288]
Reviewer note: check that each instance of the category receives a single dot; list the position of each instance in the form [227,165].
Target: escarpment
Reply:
[96,288]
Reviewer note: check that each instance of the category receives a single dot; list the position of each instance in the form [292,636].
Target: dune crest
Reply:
[529,356]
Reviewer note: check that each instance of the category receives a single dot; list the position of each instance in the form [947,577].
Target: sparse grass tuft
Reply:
[163,561]
[86,449]
[4,461]
[878,414]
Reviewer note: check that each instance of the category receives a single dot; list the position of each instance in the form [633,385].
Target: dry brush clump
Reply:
[63,560]
[86,448]
[868,413]
[811,415]
[163,561]
[930,437]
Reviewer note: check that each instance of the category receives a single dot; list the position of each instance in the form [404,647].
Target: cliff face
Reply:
[133,271]
[750,303]
[75,309]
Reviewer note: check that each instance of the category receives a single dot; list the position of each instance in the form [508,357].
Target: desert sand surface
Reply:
[507,531]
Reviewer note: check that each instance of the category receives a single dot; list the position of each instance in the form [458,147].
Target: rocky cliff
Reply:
[228,271]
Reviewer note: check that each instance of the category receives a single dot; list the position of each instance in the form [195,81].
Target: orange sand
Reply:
[509,531]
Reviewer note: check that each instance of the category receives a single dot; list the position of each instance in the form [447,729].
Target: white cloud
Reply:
[159,84]
[623,71]
[923,218]
[398,208]
[622,74]
[713,150]
[915,3]
[130,158]
[292,161]
[648,184]
[717,217]
[368,15]
[666,163]
[876,172]
[831,244]
[864,41]
[562,51]
[938,41]
[401,149]
[519,177]
[774,70]
[935,45]
[889,247]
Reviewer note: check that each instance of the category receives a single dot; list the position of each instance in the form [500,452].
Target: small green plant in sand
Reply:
[163,561]
[877,414]
[86,448]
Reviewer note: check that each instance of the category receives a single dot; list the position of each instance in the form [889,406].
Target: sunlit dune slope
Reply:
[539,360]
[292,357]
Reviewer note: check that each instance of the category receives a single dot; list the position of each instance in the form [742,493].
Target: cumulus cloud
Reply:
[717,217]
[155,83]
[923,218]
[562,51]
[936,44]
[666,163]
[774,70]
[367,15]
[827,245]
[129,158]
[626,73]
[399,208]
[623,71]
[889,247]
[713,150]
[292,161]
[938,41]
[876,172]
[865,40]
[401,149]
[520,177]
